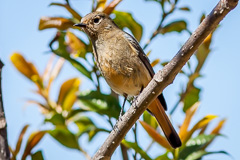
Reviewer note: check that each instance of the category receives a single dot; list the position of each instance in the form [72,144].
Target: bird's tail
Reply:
[158,112]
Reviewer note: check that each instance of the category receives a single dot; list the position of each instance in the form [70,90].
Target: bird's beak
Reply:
[82,25]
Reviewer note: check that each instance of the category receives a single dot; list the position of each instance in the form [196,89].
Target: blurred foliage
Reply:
[72,104]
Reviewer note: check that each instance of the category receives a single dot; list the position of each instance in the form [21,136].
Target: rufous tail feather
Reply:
[158,112]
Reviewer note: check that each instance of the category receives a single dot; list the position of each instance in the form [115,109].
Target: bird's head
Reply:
[96,23]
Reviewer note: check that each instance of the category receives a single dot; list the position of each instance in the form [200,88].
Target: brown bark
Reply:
[4,150]
[163,78]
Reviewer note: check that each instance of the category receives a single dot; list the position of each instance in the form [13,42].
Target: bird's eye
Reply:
[96,20]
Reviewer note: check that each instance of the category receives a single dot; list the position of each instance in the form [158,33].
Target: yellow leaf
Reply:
[77,46]
[155,62]
[202,123]
[148,53]
[26,68]
[67,95]
[189,114]
[155,135]
[55,22]
[100,5]
[207,40]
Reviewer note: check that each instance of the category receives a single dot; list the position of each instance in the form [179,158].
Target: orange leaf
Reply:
[55,22]
[218,127]
[70,10]
[155,135]
[13,156]
[33,140]
[189,114]
[20,138]
[215,131]
[155,62]
[108,10]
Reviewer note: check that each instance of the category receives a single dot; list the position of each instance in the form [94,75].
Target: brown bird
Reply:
[124,65]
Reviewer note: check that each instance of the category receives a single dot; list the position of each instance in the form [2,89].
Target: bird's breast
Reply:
[124,75]
[120,65]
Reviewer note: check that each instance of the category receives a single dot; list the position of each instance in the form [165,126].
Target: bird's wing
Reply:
[141,53]
[146,62]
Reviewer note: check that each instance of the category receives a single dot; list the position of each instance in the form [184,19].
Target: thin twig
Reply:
[150,145]
[163,78]
[135,138]
[175,107]
[159,28]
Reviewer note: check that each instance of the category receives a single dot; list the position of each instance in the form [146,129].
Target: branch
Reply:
[4,150]
[163,78]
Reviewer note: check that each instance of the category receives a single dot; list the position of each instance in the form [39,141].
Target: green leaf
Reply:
[124,19]
[80,67]
[86,125]
[176,26]
[65,137]
[203,52]
[70,10]
[163,157]
[74,112]
[56,119]
[191,97]
[149,119]
[100,103]
[195,144]
[158,1]
[62,52]
[136,148]
[37,156]
[201,153]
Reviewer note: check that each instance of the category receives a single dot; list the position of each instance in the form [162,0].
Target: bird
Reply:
[125,66]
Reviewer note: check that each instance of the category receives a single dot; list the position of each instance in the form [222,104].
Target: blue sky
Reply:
[220,81]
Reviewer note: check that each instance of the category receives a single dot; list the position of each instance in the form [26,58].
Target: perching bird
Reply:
[124,65]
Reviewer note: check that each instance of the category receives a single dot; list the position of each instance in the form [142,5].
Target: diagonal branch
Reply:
[163,78]
[4,150]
